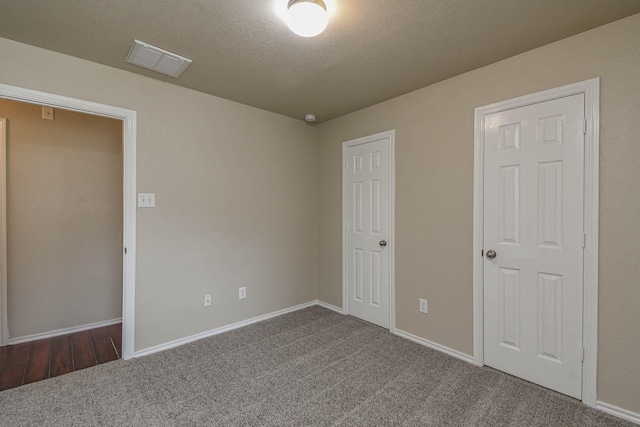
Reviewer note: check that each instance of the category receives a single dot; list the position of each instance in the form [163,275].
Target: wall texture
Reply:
[64,219]
[243,195]
[434,193]
[236,195]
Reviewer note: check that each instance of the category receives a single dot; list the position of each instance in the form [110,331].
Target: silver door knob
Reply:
[383,243]
[491,254]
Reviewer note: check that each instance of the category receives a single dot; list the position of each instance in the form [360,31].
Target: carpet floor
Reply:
[312,367]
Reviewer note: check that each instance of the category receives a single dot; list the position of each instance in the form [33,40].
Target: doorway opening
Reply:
[127,118]
[63,216]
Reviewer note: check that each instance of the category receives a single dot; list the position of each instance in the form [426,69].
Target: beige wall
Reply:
[236,195]
[434,193]
[64,219]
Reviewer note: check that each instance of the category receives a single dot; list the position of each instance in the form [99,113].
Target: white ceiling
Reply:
[371,51]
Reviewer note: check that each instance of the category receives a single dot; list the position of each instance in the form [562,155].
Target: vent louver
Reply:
[156,59]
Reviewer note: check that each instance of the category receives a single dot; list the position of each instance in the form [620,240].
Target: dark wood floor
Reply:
[38,360]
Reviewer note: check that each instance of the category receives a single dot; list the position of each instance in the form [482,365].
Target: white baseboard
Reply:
[329,306]
[216,331]
[64,331]
[618,412]
[406,335]
[432,345]
[602,406]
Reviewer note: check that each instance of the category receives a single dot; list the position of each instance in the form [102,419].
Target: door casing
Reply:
[128,117]
[392,208]
[591,90]
[4,327]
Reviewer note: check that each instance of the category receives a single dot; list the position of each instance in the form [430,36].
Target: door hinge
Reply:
[582,354]
[584,240]
[584,126]
[125,251]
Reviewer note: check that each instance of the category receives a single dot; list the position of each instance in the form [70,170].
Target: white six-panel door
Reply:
[533,221]
[367,228]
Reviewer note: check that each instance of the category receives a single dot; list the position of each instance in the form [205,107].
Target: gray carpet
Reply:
[312,367]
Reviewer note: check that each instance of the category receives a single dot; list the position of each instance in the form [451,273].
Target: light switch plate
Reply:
[146,200]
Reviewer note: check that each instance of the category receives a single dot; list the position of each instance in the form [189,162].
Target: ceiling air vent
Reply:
[156,59]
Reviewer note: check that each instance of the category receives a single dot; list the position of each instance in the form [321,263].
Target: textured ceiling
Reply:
[242,50]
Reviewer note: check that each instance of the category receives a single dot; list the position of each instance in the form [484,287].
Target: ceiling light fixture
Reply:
[307,18]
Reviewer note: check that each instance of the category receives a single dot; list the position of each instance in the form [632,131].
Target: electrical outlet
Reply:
[242,292]
[207,300]
[423,305]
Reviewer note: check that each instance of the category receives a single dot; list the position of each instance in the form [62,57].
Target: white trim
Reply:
[618,412]
[64,331]
[392,230]
[4,326]
[216,331]
[591,91]
[591,220]
[344,232]
[329,306]
[434,346]
[129,212]
[391,134]
[478,241]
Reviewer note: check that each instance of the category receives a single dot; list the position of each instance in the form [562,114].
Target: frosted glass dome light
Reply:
[307,18]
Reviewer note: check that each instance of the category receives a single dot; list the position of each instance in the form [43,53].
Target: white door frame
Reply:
[128,118]
[591,91]
[391,134]
[4,328]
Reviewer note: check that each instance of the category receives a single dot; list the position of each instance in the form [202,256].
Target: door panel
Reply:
[533,215]
[368,175]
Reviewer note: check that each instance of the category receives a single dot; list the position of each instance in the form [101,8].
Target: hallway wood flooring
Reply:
[38,360]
